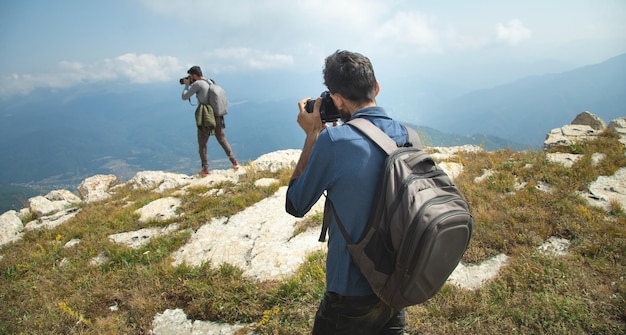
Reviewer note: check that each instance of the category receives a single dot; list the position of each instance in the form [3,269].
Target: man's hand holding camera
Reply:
[310,122]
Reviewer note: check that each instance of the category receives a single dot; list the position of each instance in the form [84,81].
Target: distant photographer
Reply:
[207,120]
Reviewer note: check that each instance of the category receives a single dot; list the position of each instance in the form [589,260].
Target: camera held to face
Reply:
[328,110]
[182,79]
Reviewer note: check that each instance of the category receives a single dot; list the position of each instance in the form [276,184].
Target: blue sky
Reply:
[60,44]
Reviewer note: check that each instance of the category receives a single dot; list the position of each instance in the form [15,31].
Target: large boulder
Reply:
[610,188]
[159,210]
[159,181]
[97,188]
[53,220]
[261,240]
[52,202]
[274,161]
[591,120]
[42,206]
[568,135]
[584,127]
[11,227]
[63,195]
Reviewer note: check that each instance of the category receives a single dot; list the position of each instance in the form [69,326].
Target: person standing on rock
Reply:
[206,121]
[347,165]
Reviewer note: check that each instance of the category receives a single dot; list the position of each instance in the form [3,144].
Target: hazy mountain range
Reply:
[523,111]
[55,139]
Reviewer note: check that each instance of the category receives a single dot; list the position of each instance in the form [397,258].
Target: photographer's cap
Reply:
[195,70]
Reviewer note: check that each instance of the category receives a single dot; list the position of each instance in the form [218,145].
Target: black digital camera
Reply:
[188,77]
[328,110]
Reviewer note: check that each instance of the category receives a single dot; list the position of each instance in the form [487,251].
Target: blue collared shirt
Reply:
[348,165]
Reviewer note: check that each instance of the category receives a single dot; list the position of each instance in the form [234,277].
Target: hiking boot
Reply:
[235,164]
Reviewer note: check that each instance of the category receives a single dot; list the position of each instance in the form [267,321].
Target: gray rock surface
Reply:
[568,135]
[11,227]
[138,238]
[610,188]
[97,188]
[619,126]
[160,210]
[260,240]
[591,120]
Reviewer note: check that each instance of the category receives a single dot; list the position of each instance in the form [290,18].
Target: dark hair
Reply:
[351,75]
[195,70]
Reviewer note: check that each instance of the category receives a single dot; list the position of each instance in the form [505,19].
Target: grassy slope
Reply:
[48,289]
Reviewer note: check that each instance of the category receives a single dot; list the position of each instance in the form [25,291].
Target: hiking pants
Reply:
[220,135]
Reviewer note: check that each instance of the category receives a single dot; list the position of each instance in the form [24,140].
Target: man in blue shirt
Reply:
[347,165]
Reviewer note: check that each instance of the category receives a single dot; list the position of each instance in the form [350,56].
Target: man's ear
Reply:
[377,88]
[338,100]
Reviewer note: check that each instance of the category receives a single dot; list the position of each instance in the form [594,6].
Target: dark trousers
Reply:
[220,135]
[341,315]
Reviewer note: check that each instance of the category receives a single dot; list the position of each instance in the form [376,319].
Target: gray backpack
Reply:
[419,227]
[217,99]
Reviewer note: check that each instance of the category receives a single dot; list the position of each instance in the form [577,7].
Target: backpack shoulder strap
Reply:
[414,138]
[375,134]
[328,208]
[207,93]
[380,138]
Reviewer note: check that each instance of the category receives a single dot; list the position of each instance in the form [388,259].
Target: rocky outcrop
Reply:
[277,160]
[159,181]
[584,127]
[160,210]
[97,188]
[175,322]
[260,240]
[138,238]
[619,126]
[606,188]
[52,202]
[568,135]
[591,120]
[11,227]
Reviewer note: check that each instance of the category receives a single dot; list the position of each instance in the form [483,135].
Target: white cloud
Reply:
[277,34]
[243,59]
[279,27]
[140,69]
[143,68]
[512,32]
[411,29]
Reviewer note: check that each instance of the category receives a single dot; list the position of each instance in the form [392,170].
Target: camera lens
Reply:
[328,110]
